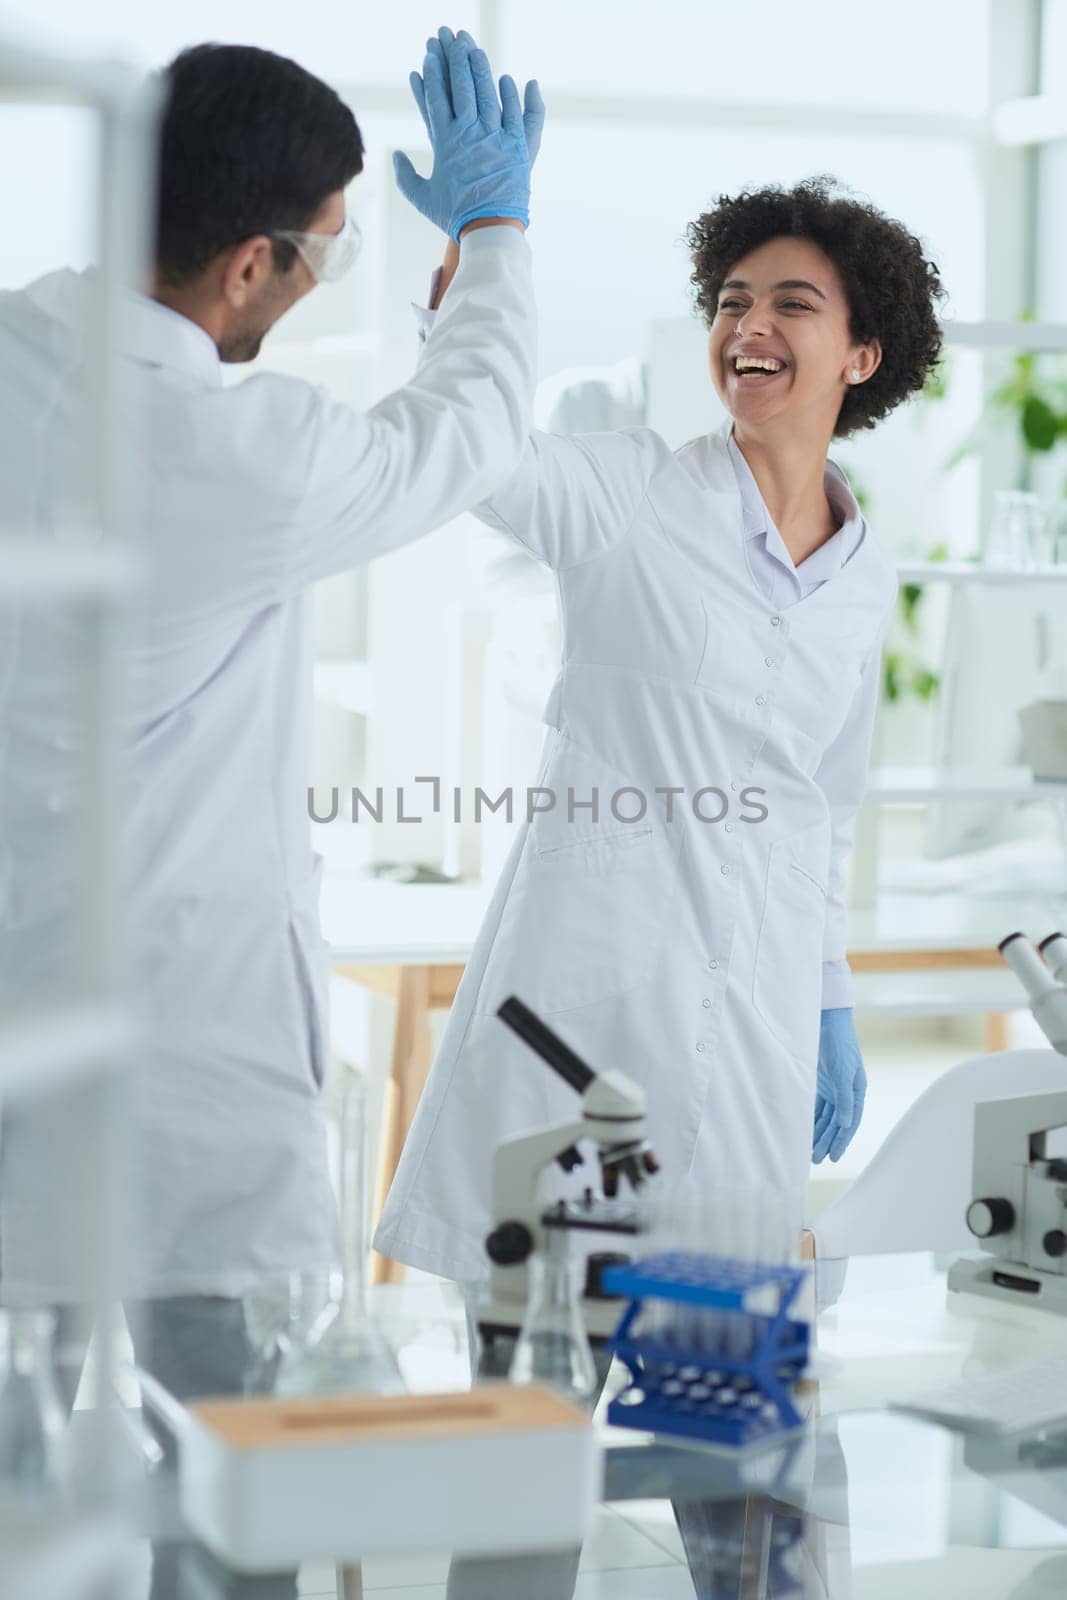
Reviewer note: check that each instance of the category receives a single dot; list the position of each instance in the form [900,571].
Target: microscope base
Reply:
[1010,1282]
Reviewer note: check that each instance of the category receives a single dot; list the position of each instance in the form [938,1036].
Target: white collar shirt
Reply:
[778,578]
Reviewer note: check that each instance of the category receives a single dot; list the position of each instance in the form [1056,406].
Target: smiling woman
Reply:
[864,302]
[722,608]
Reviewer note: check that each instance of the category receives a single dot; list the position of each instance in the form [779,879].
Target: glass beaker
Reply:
[34,1457]
[1057,532]
[279,1316]
[1015,531]
[553,1346]
[345,1351]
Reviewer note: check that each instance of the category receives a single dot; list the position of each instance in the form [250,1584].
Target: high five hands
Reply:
[484,140]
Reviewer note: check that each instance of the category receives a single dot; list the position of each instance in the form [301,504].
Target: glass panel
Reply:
[913,56]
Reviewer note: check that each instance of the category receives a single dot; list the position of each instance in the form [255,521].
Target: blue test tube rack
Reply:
[734,1400]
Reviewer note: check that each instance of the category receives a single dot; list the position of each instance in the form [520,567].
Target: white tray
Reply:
[266,1484]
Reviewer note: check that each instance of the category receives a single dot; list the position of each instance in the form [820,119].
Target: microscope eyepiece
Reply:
[548,1045]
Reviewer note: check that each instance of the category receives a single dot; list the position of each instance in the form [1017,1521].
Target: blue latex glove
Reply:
[841,1086]
[483,144]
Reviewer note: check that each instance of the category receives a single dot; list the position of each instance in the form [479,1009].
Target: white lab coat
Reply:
[689,954]
[246,496]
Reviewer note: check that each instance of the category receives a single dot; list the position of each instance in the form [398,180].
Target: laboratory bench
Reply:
[864,1504]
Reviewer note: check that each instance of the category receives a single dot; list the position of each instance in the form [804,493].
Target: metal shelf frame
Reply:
[84,1037]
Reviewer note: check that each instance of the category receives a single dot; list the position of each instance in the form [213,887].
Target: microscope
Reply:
[1019,1210]
[612,1117]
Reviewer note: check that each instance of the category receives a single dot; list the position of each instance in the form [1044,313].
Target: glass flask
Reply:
[344,1351]
[279,1316]
[553,1346]
[34,1460]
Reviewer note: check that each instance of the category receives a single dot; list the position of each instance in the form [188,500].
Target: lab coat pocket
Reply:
[787,977]
[583,921]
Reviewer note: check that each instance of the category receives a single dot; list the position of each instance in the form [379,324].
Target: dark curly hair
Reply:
[891,286]
[250,143]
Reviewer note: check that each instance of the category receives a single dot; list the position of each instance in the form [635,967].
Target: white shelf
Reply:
[1017,336]
[50,1047]
[951,919]
[976,572]
[966,991]
[35,569]
[346,684]
[900,785]
[365,920]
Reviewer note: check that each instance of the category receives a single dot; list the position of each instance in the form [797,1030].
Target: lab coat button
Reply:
[761,700]
[768,661]
[735,786]
[706,1003]
[776,622]
[724,870]
[700,1047]
[729,827]
[713,966]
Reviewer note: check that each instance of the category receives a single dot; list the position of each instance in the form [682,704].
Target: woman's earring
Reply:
[854,375]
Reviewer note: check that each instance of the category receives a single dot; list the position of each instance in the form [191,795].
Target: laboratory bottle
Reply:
[553,1346]
[345,1350]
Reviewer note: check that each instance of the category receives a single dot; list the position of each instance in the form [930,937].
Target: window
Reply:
[834,54]
[378,44]
[54,223]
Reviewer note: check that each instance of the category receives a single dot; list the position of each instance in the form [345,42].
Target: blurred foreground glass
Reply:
[344,1350]
[553,1346]
[34,1461]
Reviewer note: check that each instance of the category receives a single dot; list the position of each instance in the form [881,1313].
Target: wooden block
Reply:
[492,1408]
[922,960]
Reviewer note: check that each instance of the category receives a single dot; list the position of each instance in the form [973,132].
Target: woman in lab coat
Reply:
[723,608]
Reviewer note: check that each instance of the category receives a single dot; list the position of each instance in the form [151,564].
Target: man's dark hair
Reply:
[892,288]
[250,143]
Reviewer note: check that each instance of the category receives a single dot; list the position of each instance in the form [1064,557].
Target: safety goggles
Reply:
[327,256]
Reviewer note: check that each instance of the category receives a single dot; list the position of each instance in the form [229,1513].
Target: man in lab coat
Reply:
[246,495]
